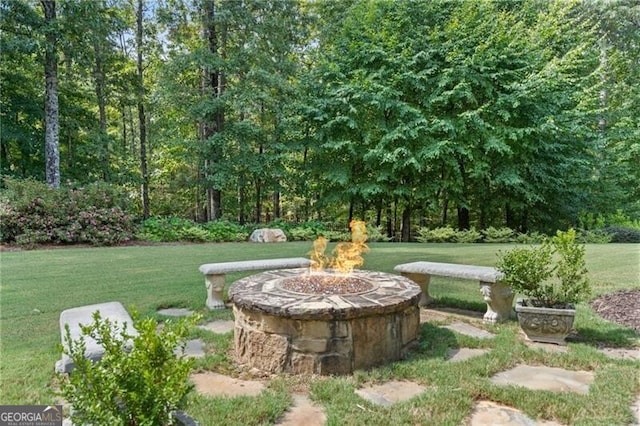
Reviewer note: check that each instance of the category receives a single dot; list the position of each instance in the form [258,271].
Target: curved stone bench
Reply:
[214,274]
[498,296]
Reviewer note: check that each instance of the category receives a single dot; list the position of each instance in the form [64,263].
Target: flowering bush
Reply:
[32,213]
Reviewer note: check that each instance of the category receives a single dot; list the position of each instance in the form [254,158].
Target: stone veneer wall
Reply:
[277,330]
[278,344]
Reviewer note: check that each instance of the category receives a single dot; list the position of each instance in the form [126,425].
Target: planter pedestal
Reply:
[546,325]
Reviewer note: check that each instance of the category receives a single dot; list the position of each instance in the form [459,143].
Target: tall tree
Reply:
[52,131]
[142,118]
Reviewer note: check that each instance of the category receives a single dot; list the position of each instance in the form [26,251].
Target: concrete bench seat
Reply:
[214,274]
[498,296]
[83,316]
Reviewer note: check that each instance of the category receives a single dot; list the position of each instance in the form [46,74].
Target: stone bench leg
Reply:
[423,281]
[499,298]
[215,285]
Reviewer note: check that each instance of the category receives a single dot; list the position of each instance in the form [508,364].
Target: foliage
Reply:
[530,238]
[550,275]
[141,379]
[33,213]
[437,235]
[498,235]
[168,229]
[467,236]
[376,234]
[597,236]
[506,116]
[622,234]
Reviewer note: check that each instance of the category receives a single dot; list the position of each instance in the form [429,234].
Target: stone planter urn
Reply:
[546,325]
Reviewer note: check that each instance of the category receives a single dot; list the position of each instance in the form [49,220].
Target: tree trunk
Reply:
[258,216]
[277,213]
[463,218]
[214,85]
[51,124]
[406,224]
[99,82]
[141,115]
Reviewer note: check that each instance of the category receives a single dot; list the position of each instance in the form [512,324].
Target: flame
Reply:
[318,259]
[346,256]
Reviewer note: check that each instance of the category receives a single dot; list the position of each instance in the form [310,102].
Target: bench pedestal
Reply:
[215,286]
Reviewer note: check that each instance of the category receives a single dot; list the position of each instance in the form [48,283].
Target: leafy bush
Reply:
[376,234]
[437,235]
[33,213]
[224,231]
[550,275]
[169,229]
[597,236]
[530,238]
[623,234]
[498,235]
[467,236]
[140,380]
[306,231]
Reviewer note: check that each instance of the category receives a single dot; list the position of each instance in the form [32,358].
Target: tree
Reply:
[142,118]
[52,154]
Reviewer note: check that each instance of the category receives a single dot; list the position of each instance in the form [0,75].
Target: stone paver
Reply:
[635,408]
[620,353]
[220,326]
[214,384]
[303,412]
[194,348]
[175,312]
[391,392]
[462,354]
[487,413]
[546,378]
[469,330]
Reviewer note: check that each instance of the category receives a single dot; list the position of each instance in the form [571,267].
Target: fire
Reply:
[346,256]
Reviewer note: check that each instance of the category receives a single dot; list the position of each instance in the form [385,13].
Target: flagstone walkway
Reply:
[305,412]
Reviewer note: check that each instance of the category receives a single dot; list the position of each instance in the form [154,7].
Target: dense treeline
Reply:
[523,114]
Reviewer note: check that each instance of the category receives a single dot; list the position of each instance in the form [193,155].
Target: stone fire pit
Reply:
[296,322]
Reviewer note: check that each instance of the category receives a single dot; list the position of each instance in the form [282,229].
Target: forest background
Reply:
[424,114]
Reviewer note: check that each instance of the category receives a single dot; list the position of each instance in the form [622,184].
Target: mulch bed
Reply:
[622,307]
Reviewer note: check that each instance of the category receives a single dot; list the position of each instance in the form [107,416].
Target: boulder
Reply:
[268,235]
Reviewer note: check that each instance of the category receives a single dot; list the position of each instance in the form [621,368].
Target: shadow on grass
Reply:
[434,341]
[449,302]
[617,337]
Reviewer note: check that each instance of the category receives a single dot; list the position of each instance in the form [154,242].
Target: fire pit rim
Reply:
[259,292]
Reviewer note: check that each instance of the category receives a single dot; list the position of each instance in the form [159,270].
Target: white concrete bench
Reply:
[214,274]
[498,296]
[83,316]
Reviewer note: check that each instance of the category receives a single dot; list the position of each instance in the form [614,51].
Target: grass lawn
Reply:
[37,285]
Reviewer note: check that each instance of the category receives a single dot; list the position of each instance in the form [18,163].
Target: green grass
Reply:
[37,285]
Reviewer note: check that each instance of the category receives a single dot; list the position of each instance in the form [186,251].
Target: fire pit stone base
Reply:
[281,331]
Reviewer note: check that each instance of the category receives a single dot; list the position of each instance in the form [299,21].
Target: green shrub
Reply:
[225,231]
[140,380]
[376,234]
[552,274]
[437,235]
[467,236]
[306,231]
[498,235]
[33,213]
[622,234]
[530,238]
[597,236]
